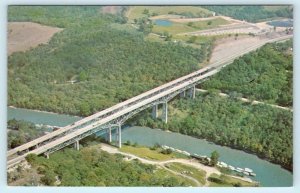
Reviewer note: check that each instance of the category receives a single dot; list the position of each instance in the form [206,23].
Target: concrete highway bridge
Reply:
[113,117]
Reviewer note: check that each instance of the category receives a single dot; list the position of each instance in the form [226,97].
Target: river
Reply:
[268,174]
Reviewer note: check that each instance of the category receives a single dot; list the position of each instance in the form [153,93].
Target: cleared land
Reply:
[23,36]
[183,27]
[229,46]
[145,152]
[111,9]
[137,11]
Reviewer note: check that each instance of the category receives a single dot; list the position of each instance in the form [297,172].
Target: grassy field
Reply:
[147,153]
[227,181]
[190,171]
[176,28]
[201,25]
[137,11]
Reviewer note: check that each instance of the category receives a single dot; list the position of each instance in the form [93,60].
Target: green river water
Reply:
[268,174]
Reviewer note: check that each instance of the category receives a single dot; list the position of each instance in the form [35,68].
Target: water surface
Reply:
[281,23]
[163,22]
[268,174]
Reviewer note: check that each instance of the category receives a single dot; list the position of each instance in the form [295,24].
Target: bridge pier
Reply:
[182,94]
[76,145]
[192,92]
[47,155]
[109,134]
[119,135]
[155,111]
[165,112]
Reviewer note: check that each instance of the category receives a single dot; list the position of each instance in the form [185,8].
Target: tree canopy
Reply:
[264,75]
[90,65]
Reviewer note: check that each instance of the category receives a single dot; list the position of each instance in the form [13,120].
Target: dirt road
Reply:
[248,101]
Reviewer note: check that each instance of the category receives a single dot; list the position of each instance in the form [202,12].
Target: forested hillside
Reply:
[259,129]
[252,13]
[90,66]
[264,75]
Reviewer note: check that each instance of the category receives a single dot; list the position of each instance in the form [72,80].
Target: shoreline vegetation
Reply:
[42,111]
[159,165]
[195,136]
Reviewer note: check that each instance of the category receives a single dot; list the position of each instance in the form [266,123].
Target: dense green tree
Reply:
[214,158]
[48,178]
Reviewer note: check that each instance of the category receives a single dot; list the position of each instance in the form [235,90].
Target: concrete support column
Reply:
[109,134]
[192,92]
[116,135]
[76,145]
[47,155]
[182,94]
[120,135]
[154,111]
[165,112]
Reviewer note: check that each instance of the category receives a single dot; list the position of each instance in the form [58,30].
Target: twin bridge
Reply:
[111,118]
[115,116]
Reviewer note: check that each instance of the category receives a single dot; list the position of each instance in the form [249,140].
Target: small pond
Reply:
[281,23]
[162,22]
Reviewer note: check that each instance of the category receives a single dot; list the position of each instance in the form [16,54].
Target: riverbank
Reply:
[237,148]
[41,111]
[181,132]
[209,171]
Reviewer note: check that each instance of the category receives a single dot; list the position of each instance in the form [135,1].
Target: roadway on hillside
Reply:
[253,102]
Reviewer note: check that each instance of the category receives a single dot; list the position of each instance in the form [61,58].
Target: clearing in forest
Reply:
[23,36]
